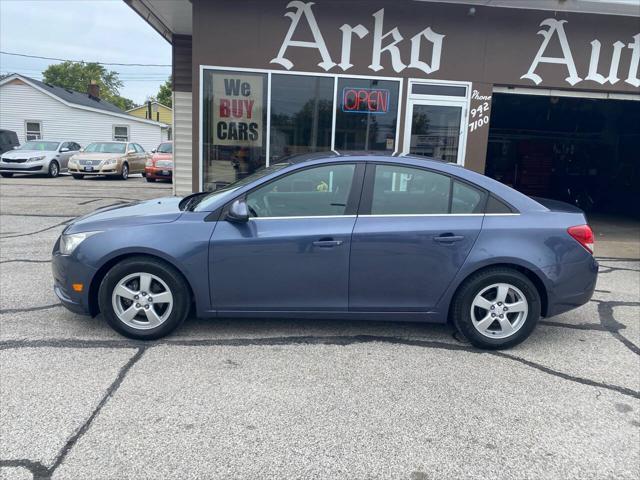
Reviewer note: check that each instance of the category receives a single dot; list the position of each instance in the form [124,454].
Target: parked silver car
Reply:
[38,157]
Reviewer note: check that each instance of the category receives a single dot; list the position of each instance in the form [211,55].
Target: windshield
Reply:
[165,148]
[205,202]
[106,147]
[36,145]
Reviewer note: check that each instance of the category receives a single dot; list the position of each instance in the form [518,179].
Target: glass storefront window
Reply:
[234,126]
[301,115]
[366,114]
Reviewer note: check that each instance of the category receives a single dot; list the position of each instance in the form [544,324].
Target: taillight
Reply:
[583,235]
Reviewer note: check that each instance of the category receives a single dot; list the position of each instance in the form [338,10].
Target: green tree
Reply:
[164,94]
[77,76]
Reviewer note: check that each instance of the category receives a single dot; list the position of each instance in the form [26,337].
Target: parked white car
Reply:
[38,157]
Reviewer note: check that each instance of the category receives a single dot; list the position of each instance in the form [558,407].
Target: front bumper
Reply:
[159,172]
[24,167]
[111,169]
[67,270]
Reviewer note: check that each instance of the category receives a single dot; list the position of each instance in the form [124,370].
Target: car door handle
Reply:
[327,243]
[448,238]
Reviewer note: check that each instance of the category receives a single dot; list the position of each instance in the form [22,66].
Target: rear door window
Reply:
[401,190]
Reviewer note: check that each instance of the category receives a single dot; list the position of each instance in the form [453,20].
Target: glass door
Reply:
[435,131]
[435,120]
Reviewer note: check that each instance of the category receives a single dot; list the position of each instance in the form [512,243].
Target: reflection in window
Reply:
[234,126]
[311,192]
[401,191]
[301,115]
[366,114]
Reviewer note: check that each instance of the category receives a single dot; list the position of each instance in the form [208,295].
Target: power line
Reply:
[84,61]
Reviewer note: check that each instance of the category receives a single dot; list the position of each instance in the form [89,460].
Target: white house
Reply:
[36,110]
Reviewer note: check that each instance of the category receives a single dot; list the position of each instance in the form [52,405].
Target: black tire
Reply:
[125,171]
[472,286]
[150,179]
[6,175]
[77,177]
[54,169]
[168,274]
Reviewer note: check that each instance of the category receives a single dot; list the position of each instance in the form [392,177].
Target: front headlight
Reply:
[68,243]
[35,159]
[111,161]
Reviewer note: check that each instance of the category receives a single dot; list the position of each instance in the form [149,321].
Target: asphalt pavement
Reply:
[285,399]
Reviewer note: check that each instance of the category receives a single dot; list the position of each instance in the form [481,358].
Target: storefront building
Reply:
[542,95]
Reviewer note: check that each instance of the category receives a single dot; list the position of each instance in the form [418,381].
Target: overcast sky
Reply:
[91,30]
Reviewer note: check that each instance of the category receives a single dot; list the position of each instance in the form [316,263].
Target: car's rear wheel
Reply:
[77,177]
[496,308]
[54,169]
[6,175]
[144,298]
[149,179]
[125,171]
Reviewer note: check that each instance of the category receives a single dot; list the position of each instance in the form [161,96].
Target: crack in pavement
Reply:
[36,232]
[29,309]
[339,340]
[24,260]
[75,197]
[40,471]
[609,322]
[158,186]
[37,469]
[5,214]
[615,269]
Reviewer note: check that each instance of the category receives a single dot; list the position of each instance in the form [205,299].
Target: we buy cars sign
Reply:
[237,110]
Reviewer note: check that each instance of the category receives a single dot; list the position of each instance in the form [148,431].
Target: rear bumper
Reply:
[572,285]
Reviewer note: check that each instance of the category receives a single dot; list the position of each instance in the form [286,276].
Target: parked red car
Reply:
[160,165]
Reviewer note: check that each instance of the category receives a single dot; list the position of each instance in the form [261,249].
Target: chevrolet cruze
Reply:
[334,237]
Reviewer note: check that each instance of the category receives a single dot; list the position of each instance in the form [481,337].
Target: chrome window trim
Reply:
[299,217]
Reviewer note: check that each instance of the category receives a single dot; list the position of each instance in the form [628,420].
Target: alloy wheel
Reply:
[53,169]
[142,301]
[125,172]
[499,310]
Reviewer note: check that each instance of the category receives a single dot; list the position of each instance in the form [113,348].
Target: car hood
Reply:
[159,210]
[27,153]
[97,156]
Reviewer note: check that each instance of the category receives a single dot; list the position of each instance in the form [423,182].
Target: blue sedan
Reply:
[334,237]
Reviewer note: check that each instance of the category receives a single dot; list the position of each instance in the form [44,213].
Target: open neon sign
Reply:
[365,100]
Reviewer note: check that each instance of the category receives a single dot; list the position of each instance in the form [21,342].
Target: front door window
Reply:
[313,192]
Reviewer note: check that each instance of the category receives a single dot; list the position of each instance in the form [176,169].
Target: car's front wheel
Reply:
[144,298]
[54,169]
[125,172]
[6,174]
[496,308]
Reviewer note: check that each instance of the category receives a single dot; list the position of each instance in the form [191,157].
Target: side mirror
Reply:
[153,151]
[238,212]
[16,147]
[131,152]
[64,149]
